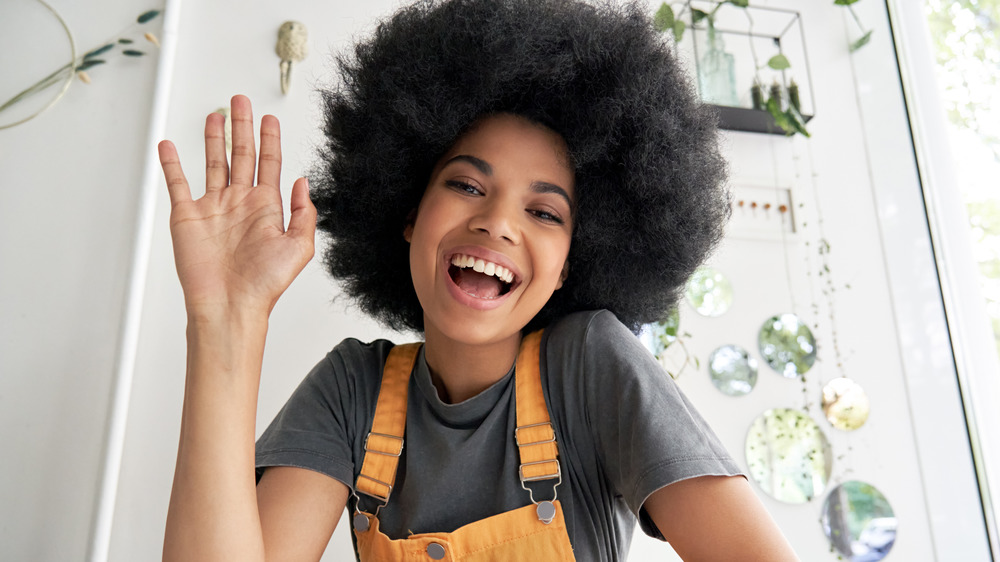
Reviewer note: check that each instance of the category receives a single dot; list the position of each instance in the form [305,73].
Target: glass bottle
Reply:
[716,73]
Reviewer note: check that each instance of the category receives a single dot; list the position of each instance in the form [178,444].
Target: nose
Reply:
[498,219]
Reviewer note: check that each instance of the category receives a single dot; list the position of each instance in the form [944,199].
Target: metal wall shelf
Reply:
[750,120]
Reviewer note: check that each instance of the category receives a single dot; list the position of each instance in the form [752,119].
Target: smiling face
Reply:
[489,241]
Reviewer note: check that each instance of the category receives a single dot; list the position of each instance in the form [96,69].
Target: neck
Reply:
[460,370]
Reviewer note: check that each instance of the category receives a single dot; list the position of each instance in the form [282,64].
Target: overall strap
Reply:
[384,443]
[535,436]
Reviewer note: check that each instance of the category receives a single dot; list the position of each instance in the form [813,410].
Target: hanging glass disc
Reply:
[859,522]
[845,404]
[787,345]
[788,455]
[732,369]
[709,292]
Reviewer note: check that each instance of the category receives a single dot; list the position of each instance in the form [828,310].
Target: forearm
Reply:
[213,511]
[234,258]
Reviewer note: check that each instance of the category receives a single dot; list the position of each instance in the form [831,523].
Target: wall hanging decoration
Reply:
[48,26]
[859,522]
[788,455]
[732,370]
[845,404]
[292,46]
[18,109]
[709,291]
[750,62]
[787,345]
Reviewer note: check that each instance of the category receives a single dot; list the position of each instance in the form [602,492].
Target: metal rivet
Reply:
[361,522]
[546,512]
[435,551]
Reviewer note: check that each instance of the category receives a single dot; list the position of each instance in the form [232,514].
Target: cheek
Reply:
[556,256]
[424,240]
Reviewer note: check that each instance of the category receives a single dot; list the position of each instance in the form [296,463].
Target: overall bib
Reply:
[533,532]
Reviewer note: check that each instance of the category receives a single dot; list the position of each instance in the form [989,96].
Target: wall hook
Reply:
[293,46]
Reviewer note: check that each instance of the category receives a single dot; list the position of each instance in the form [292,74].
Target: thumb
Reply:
[302,223]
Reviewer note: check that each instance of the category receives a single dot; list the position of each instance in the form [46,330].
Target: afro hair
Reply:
[650,179]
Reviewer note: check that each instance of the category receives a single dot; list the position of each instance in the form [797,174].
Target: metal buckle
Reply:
[524,481]
[385,500]
[517,436]
[520,470]
[399,451]
[556,474]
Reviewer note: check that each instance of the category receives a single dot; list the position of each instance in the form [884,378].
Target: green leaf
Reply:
[780,117]
[125,41]
[664,18]
[843,2]
[679,27]
[861,42]
[788,120]
[132,53]
[739,3]
[99,51]
[697,15]
[87,64]
[779,62]
[146,16]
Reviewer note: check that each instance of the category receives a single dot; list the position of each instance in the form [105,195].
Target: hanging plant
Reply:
[866,34]
[664,19]
[783,106]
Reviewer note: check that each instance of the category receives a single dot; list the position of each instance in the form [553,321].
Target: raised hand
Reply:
[232,250]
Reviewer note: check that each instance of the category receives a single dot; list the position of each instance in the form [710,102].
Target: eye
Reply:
[463,187]
[546,216]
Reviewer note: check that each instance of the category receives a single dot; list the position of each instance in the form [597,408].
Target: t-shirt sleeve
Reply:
[318,427]
[646,433]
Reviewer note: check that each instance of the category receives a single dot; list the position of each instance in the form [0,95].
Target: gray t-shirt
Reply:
[623,427]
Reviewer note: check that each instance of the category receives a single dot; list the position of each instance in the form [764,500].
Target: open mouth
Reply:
[480,278]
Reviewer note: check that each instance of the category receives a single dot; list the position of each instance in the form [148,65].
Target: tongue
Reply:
[477,284]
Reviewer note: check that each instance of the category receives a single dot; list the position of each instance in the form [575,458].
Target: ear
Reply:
[563,275]
[408,229]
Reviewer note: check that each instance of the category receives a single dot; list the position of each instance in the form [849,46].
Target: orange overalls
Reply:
[533,532]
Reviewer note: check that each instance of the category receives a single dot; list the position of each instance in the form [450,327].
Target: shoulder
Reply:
[589,356]
[352,367]
[594,335]
[592,324]
[355,353]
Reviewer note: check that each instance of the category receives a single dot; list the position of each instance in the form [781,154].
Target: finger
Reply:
[269,168]
[244,150]
[302,223]
[216,165]
[177,185]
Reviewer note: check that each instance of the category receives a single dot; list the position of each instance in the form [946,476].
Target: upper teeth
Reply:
[483,266]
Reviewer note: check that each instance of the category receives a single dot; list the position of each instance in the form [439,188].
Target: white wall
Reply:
[68,185]
[306,323]
[73,303]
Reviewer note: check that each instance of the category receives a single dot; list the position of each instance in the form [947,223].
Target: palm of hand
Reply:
[230,246]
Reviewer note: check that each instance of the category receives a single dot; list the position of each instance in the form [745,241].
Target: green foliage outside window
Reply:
[967,51]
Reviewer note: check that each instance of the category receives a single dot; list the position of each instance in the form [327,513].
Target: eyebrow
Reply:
[537,186]
[480,164]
